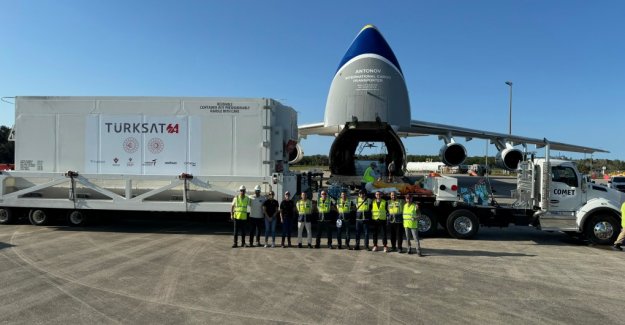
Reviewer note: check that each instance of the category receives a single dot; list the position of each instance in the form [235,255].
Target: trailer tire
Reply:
[602,229]
[462,224]
[38,217]
[76,218]
[6,216]
[428,223]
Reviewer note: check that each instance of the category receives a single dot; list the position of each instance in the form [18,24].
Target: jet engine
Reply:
[453,154]
[296,154]
[509,158]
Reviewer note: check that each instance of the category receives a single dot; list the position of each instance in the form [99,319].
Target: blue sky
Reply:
[565,58]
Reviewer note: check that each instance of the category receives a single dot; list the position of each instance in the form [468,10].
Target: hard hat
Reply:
[242,188]
[257,188]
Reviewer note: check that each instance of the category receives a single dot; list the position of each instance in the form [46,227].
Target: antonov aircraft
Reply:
[368,102]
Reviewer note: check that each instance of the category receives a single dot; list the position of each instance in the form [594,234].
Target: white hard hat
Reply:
[257,188]
[242,188]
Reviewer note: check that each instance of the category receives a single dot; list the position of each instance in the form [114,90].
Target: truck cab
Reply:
[567,202]
[617,183]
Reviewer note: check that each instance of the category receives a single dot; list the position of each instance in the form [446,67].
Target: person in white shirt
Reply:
[257,217]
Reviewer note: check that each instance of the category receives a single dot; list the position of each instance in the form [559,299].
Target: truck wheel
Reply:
[38,217]
[76,218]
[428,225]
[6,216]
[462,224]
[602,229]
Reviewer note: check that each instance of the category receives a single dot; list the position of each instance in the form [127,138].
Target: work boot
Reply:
[617,247]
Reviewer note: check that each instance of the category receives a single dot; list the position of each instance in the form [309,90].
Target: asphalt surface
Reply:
[171,271]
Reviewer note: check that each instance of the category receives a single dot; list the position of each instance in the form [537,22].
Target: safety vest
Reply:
[344,206]
[324,206]
[410,216]
[304,207]
[362,204]
[378,210]
[394,210]
[367,177]
[240,207]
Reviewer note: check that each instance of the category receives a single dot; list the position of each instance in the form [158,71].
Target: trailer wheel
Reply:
[76,218]
[6,216]
[38,217]
[462,224]
[602,229]
[428,224]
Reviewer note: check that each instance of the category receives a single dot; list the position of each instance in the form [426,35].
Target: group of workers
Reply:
[329,216]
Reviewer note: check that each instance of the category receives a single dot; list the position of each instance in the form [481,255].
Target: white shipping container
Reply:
[152,135]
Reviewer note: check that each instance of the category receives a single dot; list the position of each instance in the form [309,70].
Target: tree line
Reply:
[585,166]
[7,148]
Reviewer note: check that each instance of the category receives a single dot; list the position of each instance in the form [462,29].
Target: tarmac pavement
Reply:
[170,271]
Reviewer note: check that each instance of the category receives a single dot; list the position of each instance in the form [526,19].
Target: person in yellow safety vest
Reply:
[411,223]
[344,207]
[369,176]
[395,222]
[378,219]
[238,214]
[304,212]
[325,209]
[363,214]
[621,237]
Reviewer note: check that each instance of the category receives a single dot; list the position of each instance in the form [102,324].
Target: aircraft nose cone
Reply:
[370,41]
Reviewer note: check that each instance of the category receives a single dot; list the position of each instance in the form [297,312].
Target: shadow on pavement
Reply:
[5,245]
[453,252]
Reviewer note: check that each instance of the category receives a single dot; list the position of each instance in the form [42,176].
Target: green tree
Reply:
[7,148]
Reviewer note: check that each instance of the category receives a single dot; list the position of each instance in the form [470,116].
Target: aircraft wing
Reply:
[318,129]
[418,128]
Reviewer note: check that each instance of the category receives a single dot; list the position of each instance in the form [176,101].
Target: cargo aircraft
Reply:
[368,102]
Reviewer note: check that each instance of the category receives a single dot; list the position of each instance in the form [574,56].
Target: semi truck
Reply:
[551,195]
[76,156]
